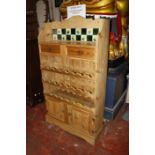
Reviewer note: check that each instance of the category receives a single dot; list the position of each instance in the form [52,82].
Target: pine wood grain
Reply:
[74,78]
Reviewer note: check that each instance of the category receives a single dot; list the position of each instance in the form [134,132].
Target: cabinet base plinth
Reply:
[74,131]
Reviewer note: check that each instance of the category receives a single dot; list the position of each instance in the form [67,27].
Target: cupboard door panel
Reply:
[95,124]
[78,119]
[50,107]
[60,111]
[56,108]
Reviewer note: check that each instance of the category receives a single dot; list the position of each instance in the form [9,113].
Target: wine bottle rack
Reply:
[74,74]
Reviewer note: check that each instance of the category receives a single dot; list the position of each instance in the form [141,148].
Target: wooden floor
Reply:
[46,139]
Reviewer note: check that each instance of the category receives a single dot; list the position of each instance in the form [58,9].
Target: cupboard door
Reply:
[50,107]
[78,119]
[60,111]
[94,125]
[56,108]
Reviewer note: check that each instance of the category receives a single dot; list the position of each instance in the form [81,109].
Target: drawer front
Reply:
[79,52]
[53,49]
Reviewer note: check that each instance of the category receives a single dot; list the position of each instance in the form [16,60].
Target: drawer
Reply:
[53,49]
[79,52]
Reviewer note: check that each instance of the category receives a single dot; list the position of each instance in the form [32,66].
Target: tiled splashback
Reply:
[75,34]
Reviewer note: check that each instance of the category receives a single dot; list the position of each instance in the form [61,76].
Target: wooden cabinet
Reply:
[74,74]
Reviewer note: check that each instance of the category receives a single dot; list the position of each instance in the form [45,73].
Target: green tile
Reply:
[59,36]
[84,31]
[78,37]
[68,37]
[95,31]
[63,31]
[89,38]
[54,31]
[72,31]
[79,34]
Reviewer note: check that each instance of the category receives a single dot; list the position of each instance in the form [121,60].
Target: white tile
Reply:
[83,38]
[58,31]
[68,31]
[63,37]
[89,31]
[55,37]
[94,38]
[73,37]
[78,31]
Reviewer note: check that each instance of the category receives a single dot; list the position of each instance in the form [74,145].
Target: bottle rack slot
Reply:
[69,72]
[53,88]
[70,87]
[72,74]
[70,98]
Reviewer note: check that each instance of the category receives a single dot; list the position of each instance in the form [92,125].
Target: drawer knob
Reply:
[49,49]
[79,52]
